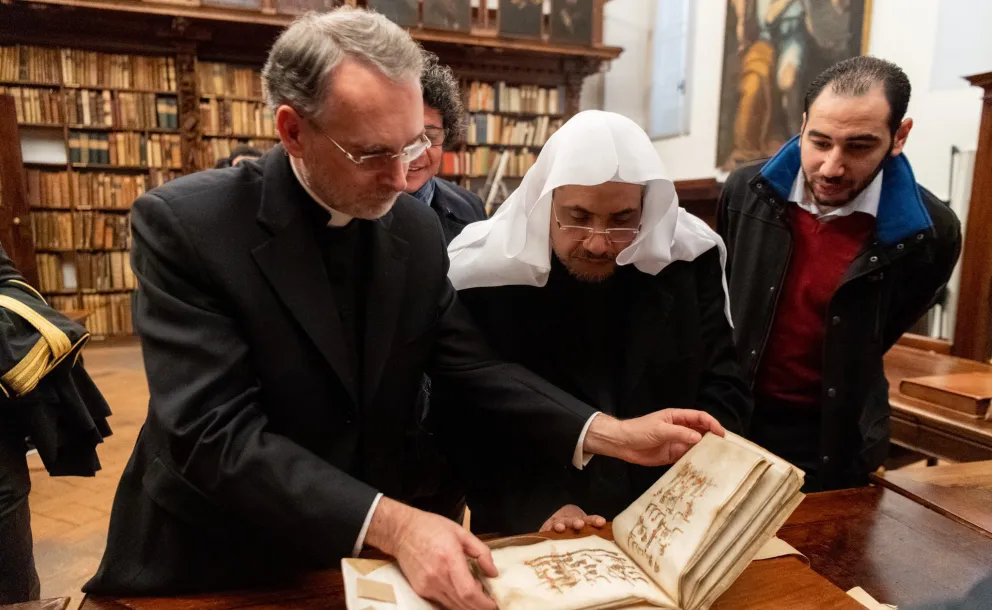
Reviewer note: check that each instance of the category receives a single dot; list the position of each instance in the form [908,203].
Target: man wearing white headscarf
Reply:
[593,277]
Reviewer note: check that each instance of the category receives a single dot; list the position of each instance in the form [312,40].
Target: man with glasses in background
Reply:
[591,276]
[444,119]
[288,309]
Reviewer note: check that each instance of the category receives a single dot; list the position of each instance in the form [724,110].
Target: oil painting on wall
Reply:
[772,50]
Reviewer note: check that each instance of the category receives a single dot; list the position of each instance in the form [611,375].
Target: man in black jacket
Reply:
[47,397]
[444,119]
[288,309]
[834,251]
[648,334]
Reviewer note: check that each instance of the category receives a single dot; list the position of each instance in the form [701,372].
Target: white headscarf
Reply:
[514,246]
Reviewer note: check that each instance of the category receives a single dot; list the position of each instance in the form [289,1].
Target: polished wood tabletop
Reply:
[897,550]
[784,582]
[962,492]
[929,428]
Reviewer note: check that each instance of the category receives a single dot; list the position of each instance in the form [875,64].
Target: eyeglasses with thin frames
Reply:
[436,135]
[381,160]
[618,236]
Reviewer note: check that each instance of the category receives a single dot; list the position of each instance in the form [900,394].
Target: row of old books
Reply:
[126,110]
[99,190]
[88,271]
[213,149]
[65,231]
[105,271]
[497,129]
[228,80]
[223,117]
[126,149]
[109,314]
[96,231]
[107,191]
[55,273]
[478,161]
[24,63]
[35,105]
[48,189]
[529,99]
[117,71]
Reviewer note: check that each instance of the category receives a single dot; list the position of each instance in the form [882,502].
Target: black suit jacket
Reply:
[258,459]
[455,207]
[677,352]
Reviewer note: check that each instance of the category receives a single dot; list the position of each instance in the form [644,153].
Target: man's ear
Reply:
[902,134]
[802,128]
[289,124]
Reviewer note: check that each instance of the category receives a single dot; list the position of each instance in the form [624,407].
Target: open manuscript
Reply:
[679,546]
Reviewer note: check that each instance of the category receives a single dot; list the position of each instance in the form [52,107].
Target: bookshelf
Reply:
[232,111]
[134,94]
[97,130]
[515,118]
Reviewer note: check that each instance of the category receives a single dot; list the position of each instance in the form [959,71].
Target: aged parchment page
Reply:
[663,529]
[740,531]
[764,512]
[579,574]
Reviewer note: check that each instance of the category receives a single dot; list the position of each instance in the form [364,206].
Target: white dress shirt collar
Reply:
[866,201]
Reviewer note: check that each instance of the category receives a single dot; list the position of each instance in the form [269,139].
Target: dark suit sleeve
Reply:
[921,293]
[206,397]
[722,391]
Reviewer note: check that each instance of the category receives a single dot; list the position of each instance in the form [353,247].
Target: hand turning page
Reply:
[679,545]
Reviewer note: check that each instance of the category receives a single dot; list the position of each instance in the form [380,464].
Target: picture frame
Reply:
[520,18]
[571,22]
[451,15]
[400,12]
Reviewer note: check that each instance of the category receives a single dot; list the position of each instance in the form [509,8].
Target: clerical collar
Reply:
[338,219]
[426,192]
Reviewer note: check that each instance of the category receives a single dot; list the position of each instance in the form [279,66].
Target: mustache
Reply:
[832,180]
[584,254]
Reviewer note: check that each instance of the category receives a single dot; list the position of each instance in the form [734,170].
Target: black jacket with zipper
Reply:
[892,282]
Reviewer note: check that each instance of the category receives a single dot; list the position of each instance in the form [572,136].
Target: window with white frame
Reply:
[670,68]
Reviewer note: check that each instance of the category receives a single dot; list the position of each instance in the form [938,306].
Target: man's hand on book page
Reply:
[655,439]
[432,552]
[572,516]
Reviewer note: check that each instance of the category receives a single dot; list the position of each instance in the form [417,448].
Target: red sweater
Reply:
[790,368]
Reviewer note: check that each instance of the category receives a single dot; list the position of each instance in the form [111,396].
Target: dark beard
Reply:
[590,278]
[858,191]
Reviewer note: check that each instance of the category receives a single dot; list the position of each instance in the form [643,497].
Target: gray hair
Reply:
[303,57]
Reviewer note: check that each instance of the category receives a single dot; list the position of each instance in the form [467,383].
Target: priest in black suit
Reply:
[288,309]
[591,276]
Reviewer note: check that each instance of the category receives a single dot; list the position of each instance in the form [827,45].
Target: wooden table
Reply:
[929,428]
[899,551]
[962,492]
[783,582]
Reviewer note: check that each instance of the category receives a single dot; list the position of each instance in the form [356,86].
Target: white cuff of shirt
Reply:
[579,457]
[365,527]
